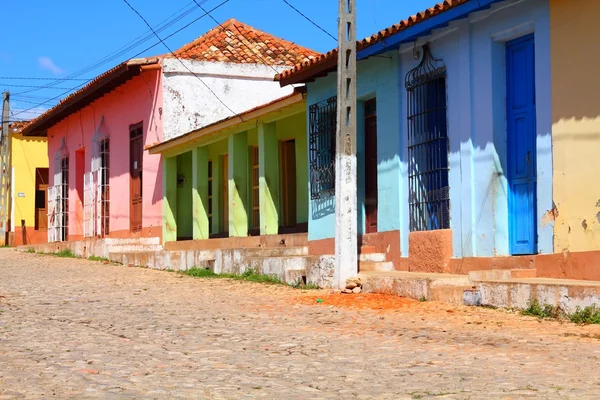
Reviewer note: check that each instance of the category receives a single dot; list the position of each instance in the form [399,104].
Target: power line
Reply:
[24,78]
[182,63]
[310,20]
[166,23]
[31,86]
[47,100]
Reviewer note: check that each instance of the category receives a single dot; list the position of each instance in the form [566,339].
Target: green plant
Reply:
[65,253]
[96,258]
[251,275]
[31,250]
[300,284]
[535,309]
[422,299]
[200,273]
[587,315]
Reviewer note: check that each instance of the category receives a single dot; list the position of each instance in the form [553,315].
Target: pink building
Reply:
[103,184]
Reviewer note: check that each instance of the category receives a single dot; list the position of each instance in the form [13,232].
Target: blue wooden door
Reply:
[521,124]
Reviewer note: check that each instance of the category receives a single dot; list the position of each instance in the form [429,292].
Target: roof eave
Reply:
[85,96]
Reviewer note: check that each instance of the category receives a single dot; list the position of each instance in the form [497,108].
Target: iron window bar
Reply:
[322,127]
[428,145]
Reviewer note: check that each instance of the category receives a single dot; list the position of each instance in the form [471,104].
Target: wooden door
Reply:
[521,124]
[371,165]
[288,182]
[136,152]
[41,199]
[225,197]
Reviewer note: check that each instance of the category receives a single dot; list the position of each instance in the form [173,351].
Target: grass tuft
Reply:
[96,258]
[587,315]
[66,253]
[249,275]
[535,309]
[31,250]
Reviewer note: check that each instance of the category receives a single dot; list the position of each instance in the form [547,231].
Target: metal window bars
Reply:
[322,127]
[97,189]
[428,145]
[58,197]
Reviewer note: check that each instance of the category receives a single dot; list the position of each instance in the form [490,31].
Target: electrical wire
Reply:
[310,20]
[47,100]
[182,63]
[24,78]
[31,86]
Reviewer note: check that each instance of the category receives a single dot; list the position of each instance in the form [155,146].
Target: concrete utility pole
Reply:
[5,171]
[346,246]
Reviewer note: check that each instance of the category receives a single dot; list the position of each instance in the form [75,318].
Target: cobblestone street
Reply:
[79,329]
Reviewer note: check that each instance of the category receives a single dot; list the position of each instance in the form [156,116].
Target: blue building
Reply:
[454,147]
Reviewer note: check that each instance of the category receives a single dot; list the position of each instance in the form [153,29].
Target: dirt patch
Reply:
[371,301]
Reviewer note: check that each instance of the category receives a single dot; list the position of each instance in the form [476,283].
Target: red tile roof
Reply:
[236,42]
[331,56]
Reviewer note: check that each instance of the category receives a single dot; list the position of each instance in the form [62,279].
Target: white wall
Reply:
[189,104]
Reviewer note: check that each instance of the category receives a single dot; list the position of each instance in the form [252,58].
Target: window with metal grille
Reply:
[322,126]
[255,190]
[63,210]
[104,186]
[429,199]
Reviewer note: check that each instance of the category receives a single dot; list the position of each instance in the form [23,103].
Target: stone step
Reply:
[520,292]
[502,274]
[275,251]
[367,248]
[132,241]
[439,287]
[371,257]
[375,266]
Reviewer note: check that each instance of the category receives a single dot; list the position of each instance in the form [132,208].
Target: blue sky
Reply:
[58,39]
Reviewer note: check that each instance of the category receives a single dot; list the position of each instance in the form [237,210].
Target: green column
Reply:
[238,184]
[268,166]
[201,230]
[217,180]
[169,226]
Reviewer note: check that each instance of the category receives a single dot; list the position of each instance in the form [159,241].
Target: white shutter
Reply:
[88,205]
[51,213]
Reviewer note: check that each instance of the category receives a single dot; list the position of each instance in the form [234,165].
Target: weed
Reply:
[31,250]
[250,275]
[201,273]
[96,258]
[66,253]
[535,309]
[587,315]
[304,286]
[423,299]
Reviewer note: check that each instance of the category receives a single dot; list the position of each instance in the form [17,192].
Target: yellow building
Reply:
[28,219]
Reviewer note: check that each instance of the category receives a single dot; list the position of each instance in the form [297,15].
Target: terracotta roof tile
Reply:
[375,38]
[236,42]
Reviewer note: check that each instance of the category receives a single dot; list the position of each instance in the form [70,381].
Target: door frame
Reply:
[138,137]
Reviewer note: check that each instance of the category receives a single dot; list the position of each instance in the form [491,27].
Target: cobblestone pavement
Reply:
[80,329]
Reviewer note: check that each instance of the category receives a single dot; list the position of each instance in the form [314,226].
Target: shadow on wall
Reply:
[323,207]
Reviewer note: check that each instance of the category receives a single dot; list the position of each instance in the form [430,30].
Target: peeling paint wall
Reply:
[576,123]
[189,103]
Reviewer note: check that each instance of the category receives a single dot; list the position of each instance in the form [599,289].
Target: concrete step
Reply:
[439,287]
[520,292]
[367,248]
[502,274]
[371,257]
[275,251]
[132,241]
[123,248]
[364,266]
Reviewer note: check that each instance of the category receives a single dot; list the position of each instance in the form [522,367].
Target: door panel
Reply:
[288,183]
[371,166]
[136,178]
[521,147]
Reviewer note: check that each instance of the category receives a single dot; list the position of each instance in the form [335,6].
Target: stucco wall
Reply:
[28,153]
[473,51]
[377,78]
[574,31]
[189,103]
[137,100]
